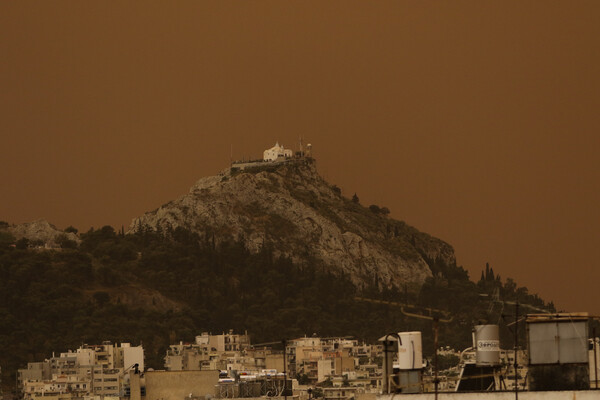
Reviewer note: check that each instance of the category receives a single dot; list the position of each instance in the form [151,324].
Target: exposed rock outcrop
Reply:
[41,233]
[290,207]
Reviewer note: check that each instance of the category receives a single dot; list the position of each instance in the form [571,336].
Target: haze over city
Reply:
[474,122]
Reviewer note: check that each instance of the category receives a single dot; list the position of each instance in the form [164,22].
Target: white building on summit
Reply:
[276,152]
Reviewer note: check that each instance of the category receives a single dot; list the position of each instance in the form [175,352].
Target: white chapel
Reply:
[277,152]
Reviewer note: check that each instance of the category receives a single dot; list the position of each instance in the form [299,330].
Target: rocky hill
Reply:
[40,233]
[289,207]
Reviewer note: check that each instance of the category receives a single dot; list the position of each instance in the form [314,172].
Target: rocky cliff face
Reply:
[40,233]
[291,208]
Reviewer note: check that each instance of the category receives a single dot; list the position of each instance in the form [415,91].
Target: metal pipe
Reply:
[385,367]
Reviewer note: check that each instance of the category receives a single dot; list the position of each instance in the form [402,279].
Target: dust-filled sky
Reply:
[475,121]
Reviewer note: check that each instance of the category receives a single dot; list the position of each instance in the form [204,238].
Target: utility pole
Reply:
[284,342]
[595,343]
[516,363]
[435,355]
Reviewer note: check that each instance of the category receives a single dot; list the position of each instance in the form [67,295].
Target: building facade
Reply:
[91,370]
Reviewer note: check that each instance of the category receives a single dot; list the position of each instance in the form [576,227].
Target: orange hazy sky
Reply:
[474,121]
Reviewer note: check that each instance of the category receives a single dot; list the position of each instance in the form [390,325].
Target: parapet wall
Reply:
[241,165]
[560,395]
[177,385]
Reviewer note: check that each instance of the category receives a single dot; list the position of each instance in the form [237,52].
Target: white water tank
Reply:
[487,344]
[410,351]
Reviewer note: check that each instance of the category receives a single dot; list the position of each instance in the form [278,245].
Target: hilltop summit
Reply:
[288,206]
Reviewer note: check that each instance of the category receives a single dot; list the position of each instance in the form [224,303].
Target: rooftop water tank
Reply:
[410,351]
[487,342]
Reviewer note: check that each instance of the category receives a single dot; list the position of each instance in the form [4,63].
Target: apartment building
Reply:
[209,352]
[91,370]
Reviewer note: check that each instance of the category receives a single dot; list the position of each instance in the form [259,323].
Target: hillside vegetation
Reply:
[159,287]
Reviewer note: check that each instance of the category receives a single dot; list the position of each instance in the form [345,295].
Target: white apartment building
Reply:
[97,370]
[60,387]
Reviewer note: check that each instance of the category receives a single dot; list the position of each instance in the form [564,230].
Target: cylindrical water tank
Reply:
[487,342]
[410,351]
